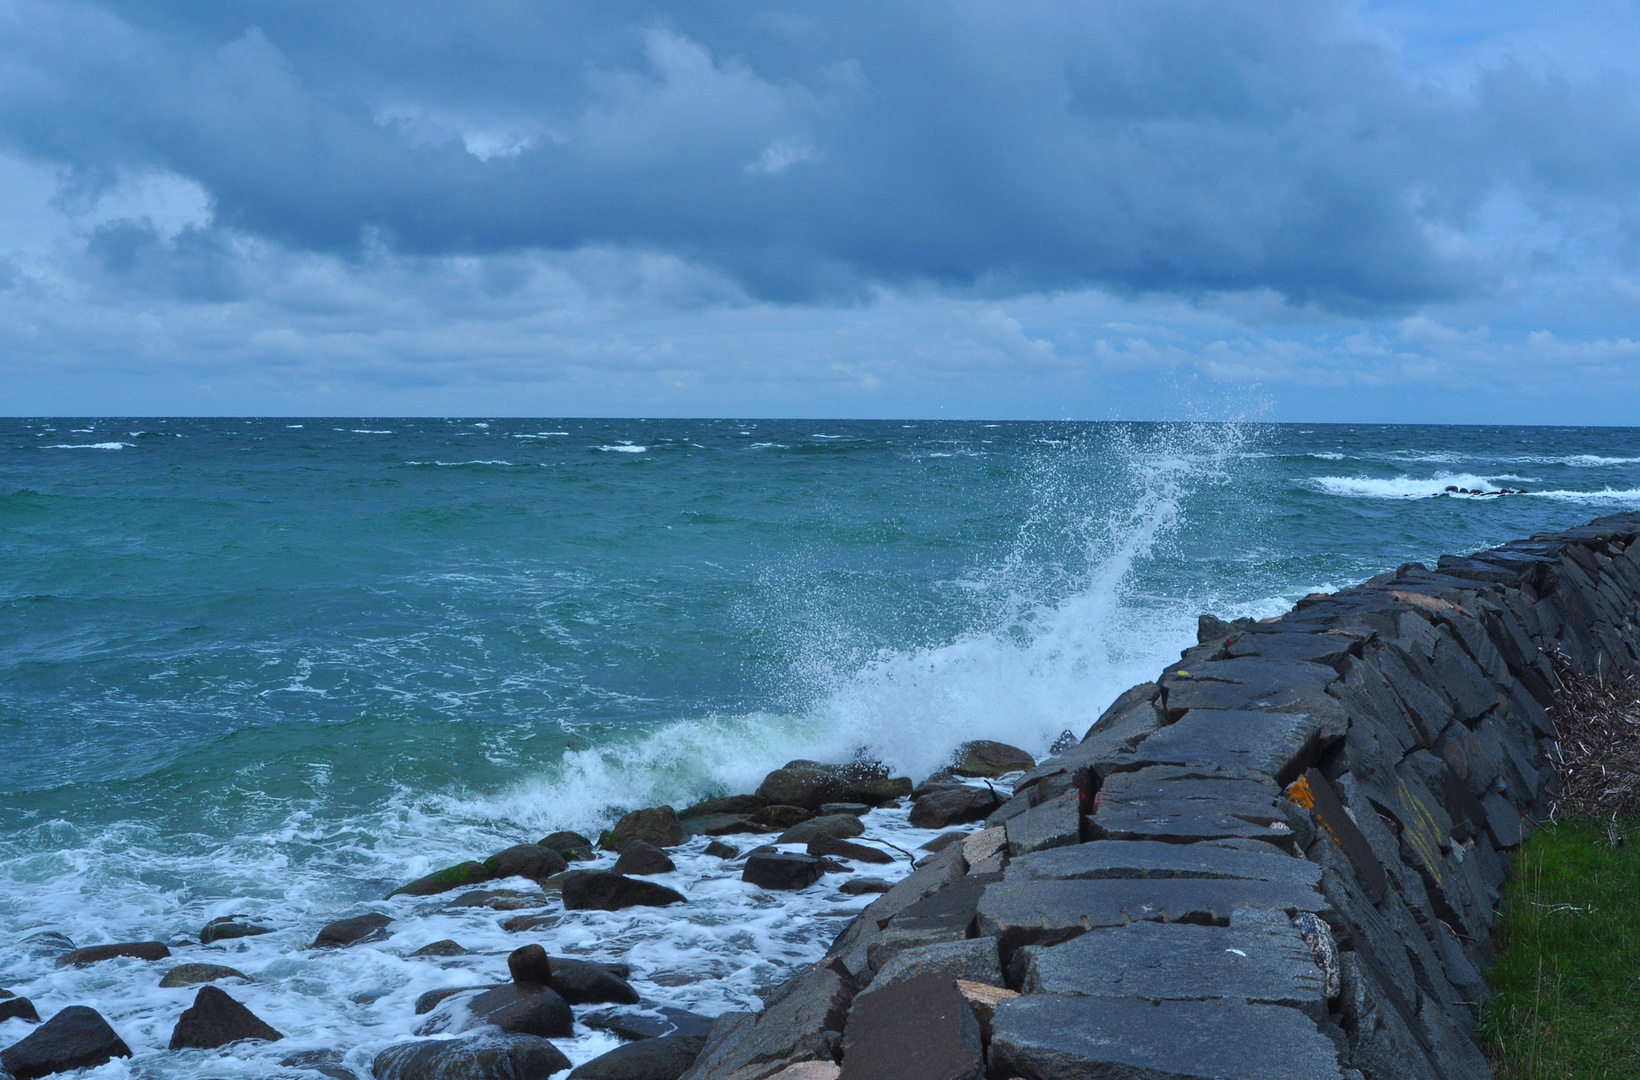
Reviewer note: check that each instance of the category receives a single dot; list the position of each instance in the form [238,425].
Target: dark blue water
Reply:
[292,660]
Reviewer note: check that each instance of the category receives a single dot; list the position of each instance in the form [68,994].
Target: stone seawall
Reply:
[1282,859]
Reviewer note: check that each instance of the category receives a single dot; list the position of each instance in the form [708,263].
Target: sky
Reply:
[1099,209]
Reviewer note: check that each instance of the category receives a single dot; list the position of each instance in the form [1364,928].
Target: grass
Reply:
[1567,981]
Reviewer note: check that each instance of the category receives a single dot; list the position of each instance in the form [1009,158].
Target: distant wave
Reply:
[625,448]
[90,446]
[1407,487]
[453,464]
[1327,455]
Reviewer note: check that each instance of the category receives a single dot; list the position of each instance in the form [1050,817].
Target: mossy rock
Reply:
[451,877]
[571,845]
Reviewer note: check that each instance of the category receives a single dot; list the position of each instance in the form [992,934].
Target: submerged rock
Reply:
[641,857]
[571,845]
[581,982]
[215,1019]
[76,1038]
[664,1058]
[600,890]
[781,817]
[525,1010]
[451,877]
[531,861]
[327,1063]
[486,1057]
[657,825]
[342,932]
[447,947]
[861,886]
[96,954]
[229,927]
[990,759]
[47,943]
[721,850]
[193,974]
[742,805]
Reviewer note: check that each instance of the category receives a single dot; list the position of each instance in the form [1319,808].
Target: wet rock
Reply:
[427,1002]
[641,857]
[953,806]
[990,759]
[1061,1035]
[529,965]
[945,840]
[829,845]
[76,1038]
[229,927]
[18,1008]
[571,845]
[718,849]
[500,899]
[651,1023]
[359,928]
[919,1029]
[518,924]
[720,825]
[840,826]
[781,817]
[451,877]
[215,1019]
[447,947]
[486,1057]
[742,805]
[581,982]
[327,1063]
[524,1010]
[658,825]
[781,870]
[861,886]
[96,954]
[799,1023]
[858,809]
[601,890]
[46,943]
[664,1058]
[194,974]
[811,785]
[531,861]
[975,960]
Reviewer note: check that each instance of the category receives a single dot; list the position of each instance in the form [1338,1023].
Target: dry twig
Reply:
[1597,722]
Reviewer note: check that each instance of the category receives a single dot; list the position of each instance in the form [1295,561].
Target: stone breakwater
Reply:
[1282,859]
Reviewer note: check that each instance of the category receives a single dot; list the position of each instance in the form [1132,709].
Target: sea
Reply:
[276,667]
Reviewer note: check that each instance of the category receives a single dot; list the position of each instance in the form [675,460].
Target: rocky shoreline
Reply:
[1280,859]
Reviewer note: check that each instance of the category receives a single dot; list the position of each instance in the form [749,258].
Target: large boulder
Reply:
[742,805]
[531,861]
[194,974]
[581,982]
[811,785]
[658,825]
[954,805]
[96,954]
[665,1058]
[918,1029]
[215,1019]
[779,817]
[800,1023]
[990,759]
[840,826]
[76,1038]
[229,927]
[571,845]
[524,1010]
[642,857]
[600,890]
[458,876]
[352,931]
[781,870]
[486,1057]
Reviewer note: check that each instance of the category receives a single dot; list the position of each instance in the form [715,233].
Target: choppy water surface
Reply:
[277,666]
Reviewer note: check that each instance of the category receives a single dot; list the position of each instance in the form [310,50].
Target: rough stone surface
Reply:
[825,844]
[663,1058]
[76,1038]
[1276,744]
[781,870]
[571,845]
[352,931]
[524,1010]
[228,927]
[658,825]
[718,849]
[719,825]
[861,886]
[1153,859]
[641,857]
[194,974]
[600,890]
[458,876]
[953,806]
[215,1019]
[917,1029]
[533,861]
[96,954]
[779,817]
[486,1057]
[581,982]
[529,964]
[800,1023]
[840,826]
[1085,1038]
[445,947]
[18,1008]
[991,759]
[811,784]
[974,959]
[1055,823]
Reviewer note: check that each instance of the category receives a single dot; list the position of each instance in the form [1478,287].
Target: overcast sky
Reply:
[1422,211]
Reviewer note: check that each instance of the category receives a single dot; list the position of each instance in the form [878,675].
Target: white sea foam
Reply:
[1327,455]
[1604,495]
[625,448]
[1405,487]
[90,446]
[369,431]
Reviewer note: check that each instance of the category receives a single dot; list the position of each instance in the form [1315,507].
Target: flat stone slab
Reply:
[1154,859]
[1182,804]
[1277,744]
[1258,958]
[919,1029]
[1088,1038]
[1046,912]
[1055,823]
[974,959]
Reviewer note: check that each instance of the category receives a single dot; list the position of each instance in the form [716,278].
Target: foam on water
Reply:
[90,446]
[1408,487]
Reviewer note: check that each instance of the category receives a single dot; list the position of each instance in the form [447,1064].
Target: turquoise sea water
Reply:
[285,663]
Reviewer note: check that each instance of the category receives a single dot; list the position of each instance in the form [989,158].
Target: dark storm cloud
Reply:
[814,151]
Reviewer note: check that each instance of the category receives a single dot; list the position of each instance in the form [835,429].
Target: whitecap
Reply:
[1326,455]
[1407,487]
[625,448]
[90,446]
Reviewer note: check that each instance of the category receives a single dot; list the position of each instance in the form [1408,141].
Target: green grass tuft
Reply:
[1568,974]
